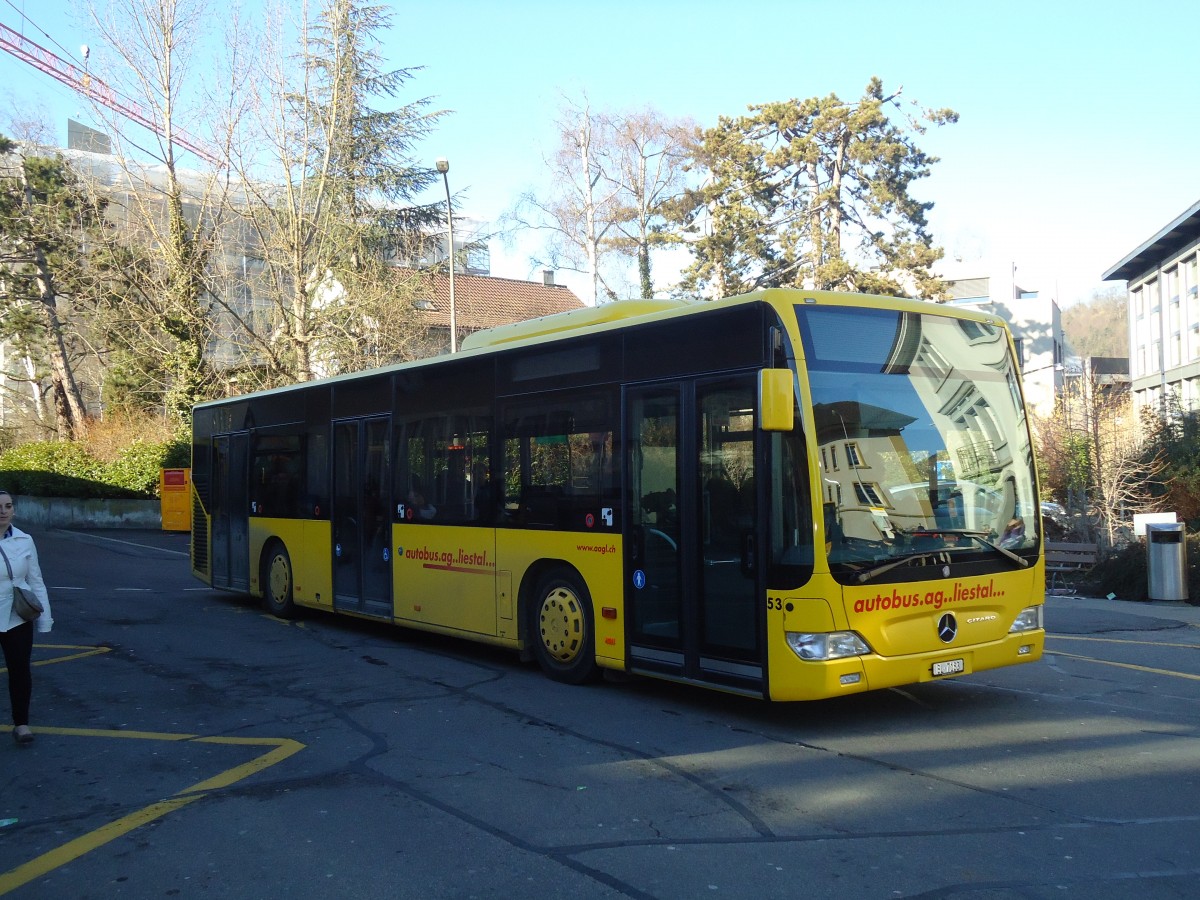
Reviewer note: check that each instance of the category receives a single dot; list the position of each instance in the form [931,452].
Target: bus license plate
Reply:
[949,667]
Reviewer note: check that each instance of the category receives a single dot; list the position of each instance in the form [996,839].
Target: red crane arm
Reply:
[70,75]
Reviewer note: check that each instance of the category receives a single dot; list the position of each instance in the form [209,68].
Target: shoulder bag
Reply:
[25,602]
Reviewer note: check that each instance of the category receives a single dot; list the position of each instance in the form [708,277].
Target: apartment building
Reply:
[1164,312]
[238,273]
[1035,322]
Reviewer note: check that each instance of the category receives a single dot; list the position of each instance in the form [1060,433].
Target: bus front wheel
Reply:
[277,582]
[561,628]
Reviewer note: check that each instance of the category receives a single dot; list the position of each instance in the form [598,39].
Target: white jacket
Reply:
[22,556]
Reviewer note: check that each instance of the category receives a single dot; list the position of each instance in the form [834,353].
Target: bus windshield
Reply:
[923,449]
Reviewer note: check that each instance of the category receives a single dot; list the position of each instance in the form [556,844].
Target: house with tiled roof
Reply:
[481,301]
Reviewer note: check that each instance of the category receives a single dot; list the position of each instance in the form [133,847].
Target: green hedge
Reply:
[66,469]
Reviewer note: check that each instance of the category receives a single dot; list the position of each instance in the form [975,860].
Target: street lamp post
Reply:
[443,166]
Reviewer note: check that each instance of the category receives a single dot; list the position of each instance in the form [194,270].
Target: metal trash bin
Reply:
[1166,563]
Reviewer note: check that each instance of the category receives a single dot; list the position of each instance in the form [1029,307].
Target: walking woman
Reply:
[19,566]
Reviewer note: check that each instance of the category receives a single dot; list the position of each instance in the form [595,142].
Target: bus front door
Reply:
[693,586]
[362,565]
[230,512]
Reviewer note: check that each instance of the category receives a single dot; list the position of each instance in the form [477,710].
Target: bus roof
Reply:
[562,324]
[572,320]
[611,315]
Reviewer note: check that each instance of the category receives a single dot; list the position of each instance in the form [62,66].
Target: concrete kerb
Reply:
[66,512]
[1177,610]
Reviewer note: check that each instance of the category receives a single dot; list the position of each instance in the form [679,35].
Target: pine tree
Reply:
[335,198]
[814,193]
[45,215]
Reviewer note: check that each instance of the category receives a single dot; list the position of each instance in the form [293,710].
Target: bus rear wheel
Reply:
[277,582]
[562,630]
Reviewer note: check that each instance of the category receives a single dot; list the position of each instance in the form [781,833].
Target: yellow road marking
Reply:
[282,748]
[72,850]
[1121,665]
[84,652]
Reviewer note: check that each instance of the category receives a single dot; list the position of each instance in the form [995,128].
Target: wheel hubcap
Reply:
[561,622]
[280,580]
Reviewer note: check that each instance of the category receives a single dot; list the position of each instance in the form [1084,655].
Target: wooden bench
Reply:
[1063,557]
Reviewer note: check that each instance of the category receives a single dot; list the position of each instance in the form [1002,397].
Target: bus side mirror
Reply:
[776,401]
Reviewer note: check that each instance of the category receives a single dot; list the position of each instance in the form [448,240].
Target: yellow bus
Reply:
[789,494]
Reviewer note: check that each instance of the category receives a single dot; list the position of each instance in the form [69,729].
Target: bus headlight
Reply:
[826,645]
[1028,619]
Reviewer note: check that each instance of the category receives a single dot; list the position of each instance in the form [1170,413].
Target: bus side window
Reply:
[485,492]
[277,469]
[437,462]
[315,498]
[559,465]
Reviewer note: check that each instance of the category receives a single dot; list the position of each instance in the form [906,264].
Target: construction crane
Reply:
[95,89]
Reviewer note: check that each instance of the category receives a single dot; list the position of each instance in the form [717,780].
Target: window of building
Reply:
[868,493]
[852,457]
[1192,303]
[974,330]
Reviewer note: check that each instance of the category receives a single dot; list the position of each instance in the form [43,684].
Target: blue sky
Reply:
[1078,138]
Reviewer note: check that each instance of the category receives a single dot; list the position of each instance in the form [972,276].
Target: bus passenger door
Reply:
[362,565]
[230,513]
[693,584]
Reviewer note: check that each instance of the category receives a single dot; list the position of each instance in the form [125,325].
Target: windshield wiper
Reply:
[934,555]
[980,536]
[939,555]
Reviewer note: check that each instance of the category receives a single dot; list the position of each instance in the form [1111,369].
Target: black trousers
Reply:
[18,650]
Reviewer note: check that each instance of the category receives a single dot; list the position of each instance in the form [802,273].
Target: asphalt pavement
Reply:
[189,744]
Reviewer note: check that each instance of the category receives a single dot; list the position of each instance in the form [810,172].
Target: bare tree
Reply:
[650,155]
[1093,456]
[580,210]
[1121,476]
[172,222]
[328,182]
[610,178]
